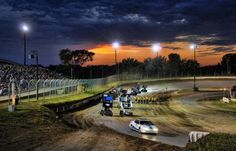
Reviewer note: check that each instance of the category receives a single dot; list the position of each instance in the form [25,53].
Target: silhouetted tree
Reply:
[160,65]
[228,63]
[148,66]
[76,57]
[65,56]
[187,65]
[174,62]
[130,65]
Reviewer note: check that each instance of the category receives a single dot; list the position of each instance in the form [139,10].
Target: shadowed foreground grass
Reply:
[29,127]
[214,142]
[32,124]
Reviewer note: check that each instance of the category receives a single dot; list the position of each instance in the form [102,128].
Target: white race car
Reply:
[143,126]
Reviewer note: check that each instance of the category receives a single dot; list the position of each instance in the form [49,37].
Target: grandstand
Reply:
[4,61]
[10,70]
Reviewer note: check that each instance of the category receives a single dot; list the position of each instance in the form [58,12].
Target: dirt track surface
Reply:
[90,136]
[172,132]
[103,139]
[33,128]
[120,124]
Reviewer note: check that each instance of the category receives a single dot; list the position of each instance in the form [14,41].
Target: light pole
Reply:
[90,72]
[156,48]
[72,63]
[34,55]
[194,48]
[25,29]
[116,45]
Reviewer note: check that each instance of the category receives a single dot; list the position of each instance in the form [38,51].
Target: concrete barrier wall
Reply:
[196,135]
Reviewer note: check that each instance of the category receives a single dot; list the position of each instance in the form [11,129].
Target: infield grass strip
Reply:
[71,97]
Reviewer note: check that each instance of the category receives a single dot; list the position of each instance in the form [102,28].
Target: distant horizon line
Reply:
[7,61]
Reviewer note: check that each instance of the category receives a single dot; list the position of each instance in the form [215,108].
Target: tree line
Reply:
[160,66]
[171,66]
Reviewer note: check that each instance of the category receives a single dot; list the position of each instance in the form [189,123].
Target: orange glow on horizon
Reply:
[105,54]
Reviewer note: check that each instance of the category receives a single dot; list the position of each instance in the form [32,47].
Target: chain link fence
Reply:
[138,76]
[32,89]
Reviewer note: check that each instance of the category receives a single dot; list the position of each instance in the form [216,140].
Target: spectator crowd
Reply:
[22,74]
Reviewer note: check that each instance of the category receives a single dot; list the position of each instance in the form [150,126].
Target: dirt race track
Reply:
[175,119]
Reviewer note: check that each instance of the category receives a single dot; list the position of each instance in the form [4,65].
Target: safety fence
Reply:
[140,76]
[52,87]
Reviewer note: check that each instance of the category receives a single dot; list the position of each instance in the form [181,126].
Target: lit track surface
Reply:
[173,134]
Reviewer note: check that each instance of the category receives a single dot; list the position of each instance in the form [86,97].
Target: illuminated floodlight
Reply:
[116,45]
[193,46]
[156,47]
[25,28]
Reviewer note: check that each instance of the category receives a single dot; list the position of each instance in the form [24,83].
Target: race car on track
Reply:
[107,104]
[126,105]
[143,126]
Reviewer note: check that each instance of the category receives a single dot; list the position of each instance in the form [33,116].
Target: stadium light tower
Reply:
[194,48]
[34,55]
[116,45]
[156,48]
[25,29]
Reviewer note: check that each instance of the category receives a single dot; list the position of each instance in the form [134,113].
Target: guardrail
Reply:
[51,87]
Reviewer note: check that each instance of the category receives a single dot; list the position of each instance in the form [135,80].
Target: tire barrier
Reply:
[196,135]
[151,99]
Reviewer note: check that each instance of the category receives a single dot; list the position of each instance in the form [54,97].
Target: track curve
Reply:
[177,138]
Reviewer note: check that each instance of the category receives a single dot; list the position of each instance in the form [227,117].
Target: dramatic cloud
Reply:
[56,24]
[173,48]
[224,49]
[136,18]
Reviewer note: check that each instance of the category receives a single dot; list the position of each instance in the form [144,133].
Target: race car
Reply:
[126,105]
[135,91]
[144,88]
[143,126]
[107,104]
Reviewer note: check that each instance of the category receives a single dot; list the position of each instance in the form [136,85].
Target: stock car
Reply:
[143,126]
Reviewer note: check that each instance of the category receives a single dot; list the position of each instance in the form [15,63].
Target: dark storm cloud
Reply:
[136,43]
[224,41]
[173,48]
[216,51]
[59,23]
[224,49]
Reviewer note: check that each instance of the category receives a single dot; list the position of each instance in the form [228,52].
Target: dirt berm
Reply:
[67,107]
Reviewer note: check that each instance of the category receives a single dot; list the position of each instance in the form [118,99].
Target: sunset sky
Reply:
[136,24]
[105,53]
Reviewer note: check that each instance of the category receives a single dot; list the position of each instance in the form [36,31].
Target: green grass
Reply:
[214,142]
[218,104]
[229,106]
[71,97]
[37,105]
[30,126]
